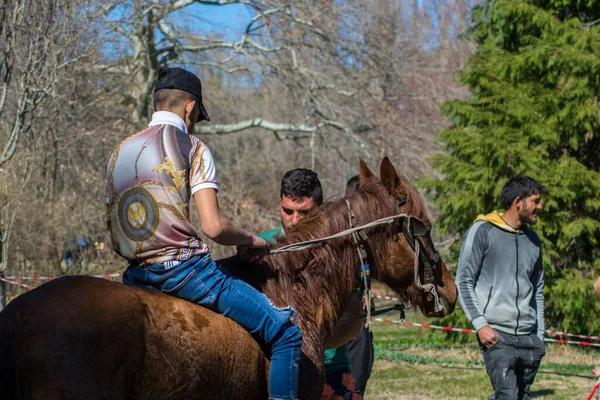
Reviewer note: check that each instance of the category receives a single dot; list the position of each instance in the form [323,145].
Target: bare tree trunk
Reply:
[145,59]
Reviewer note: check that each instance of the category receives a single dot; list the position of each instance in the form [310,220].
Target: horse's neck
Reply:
[324,281]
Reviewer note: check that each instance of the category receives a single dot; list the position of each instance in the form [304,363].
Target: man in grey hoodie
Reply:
[500,282]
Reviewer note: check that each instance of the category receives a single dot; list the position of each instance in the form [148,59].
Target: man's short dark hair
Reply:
[352,183]
[167,99]
[521,186]
[302,182]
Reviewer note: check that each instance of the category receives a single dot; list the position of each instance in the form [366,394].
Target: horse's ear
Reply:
[364,171]
[389,177]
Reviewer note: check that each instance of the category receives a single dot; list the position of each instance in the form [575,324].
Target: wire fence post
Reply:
[2,290]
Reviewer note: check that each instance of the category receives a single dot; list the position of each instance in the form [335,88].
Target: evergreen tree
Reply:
[533,109]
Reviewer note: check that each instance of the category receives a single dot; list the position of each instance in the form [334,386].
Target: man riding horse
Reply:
[151,177]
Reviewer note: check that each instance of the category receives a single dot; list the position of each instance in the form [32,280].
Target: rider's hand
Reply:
[487,336]
[248,256]
[596,372]
[259,242]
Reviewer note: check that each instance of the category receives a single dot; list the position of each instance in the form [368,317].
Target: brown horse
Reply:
[86,338]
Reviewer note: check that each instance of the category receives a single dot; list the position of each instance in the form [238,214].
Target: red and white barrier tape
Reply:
[572,342]
[47,278]
[17,283]
[12,280]
[549,332]
[554,333]
[465,330]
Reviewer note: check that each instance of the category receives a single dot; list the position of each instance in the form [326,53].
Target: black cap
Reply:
[179,78]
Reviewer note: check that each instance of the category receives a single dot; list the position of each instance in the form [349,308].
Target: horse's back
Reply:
[82,337]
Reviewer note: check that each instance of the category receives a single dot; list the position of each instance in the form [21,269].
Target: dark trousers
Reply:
[512,364]
[361,357]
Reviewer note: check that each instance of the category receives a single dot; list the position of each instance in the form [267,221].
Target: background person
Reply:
[301,192]
[500,282]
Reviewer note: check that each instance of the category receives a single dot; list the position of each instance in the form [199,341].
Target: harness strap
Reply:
[428,287]
[364,267]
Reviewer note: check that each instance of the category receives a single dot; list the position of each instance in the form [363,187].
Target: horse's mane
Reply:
[301,277]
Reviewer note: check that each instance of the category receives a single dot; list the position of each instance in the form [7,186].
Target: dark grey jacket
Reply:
[500,278]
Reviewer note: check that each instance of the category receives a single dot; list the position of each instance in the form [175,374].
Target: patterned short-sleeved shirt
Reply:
[150,179]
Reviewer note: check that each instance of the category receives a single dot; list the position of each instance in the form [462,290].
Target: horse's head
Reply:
[408,261]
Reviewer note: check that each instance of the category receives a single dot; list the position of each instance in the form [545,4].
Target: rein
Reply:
[360,244]
[310,243]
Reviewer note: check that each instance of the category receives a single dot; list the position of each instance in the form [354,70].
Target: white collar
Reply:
[167,117]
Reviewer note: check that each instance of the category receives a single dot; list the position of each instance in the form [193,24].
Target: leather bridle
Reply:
[415,231]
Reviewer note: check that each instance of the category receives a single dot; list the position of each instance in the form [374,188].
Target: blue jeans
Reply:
[201,281]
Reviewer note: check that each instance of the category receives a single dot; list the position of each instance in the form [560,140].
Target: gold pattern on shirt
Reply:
[177,175]
[113,160]
[136,215]
[199,160]
[138,250]
[147,143]
[174,210]
[149,182]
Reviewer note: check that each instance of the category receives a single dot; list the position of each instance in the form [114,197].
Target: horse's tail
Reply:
[9,355]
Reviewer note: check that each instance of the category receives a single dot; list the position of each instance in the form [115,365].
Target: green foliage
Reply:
[572,302]
[533,109]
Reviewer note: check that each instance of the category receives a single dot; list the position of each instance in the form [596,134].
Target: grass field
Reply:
[415,363]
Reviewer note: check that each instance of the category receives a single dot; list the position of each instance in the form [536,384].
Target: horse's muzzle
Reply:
[448,306]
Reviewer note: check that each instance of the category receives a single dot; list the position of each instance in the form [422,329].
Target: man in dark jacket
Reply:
[500,281]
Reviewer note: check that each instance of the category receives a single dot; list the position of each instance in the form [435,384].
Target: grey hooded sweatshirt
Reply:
[500,277]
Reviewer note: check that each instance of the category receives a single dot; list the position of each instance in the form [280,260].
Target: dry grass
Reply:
[561,354]
[431,381]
